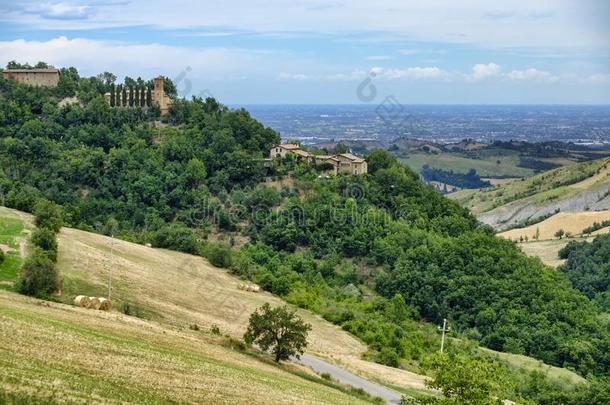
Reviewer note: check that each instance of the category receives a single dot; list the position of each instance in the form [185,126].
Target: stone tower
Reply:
[158,95]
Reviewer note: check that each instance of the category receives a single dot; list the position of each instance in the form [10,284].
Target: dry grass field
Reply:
[56,353]
[181,290]
[544,188]
[545,250]
[572,222]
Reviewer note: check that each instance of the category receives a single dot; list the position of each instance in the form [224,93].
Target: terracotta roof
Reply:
[351,157]
[301,152]
[327,157]
[289,146]
[50,70]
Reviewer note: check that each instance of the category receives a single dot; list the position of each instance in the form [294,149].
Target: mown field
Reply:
[572,222]
[71,354]
[55,353]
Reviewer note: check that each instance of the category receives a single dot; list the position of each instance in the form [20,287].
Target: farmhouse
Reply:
[345,163]
[33,77]
[288,148]
[351,164]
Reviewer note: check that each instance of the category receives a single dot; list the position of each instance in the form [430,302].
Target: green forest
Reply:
[382,255]
[588,268]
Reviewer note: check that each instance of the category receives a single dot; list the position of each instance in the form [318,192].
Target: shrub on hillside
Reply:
[38,275]
[45,239]
[176,237]
[47,215]
[218,254]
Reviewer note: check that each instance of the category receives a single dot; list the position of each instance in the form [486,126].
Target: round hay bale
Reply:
[105,304]
[82,301]
[255,288]
[94,303]
[242,287]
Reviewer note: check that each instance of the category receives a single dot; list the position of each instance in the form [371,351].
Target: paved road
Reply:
[348,378]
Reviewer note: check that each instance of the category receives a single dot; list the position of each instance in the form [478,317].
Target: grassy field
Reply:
[552,186]
[527,365]
[181,290]
[13,235]
[69,354]
[487,166]
[54,353]
[572,222]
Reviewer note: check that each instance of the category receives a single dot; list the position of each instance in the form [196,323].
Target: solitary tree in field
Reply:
[559,234]
[278,329]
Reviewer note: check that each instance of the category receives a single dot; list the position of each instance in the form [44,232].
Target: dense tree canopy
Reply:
[382,255]
[588,268]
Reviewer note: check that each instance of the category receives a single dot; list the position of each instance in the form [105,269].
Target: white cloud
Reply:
[148,60]
[60,11]
[532,74]
[377,70]
[380,57]
[482,71]
[416,73]
[356,74]
[558,23]
[292,76]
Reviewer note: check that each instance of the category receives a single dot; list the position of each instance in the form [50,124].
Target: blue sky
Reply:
[313,51]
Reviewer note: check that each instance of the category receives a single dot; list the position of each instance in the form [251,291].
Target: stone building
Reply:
[345,163]
[288,148]
[33,77]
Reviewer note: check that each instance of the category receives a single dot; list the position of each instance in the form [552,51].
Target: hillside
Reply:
[572,222]
[180,290]
[67,354]
[576,188]
[175,291]
[380,255]
[169,292]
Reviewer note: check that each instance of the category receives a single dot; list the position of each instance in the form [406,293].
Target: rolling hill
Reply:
[576,188]
[56,353]
[174,299]
[168,294]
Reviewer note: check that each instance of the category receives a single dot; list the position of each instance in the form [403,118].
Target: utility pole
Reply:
[110,269]
[444,329]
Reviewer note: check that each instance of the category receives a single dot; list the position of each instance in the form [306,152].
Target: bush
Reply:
[1,256]
[215,330]
[47,215]
[218,254]
[175,237]
[38,275]
[45,239]
[389,357]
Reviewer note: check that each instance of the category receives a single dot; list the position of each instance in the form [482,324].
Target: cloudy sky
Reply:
[329,51]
